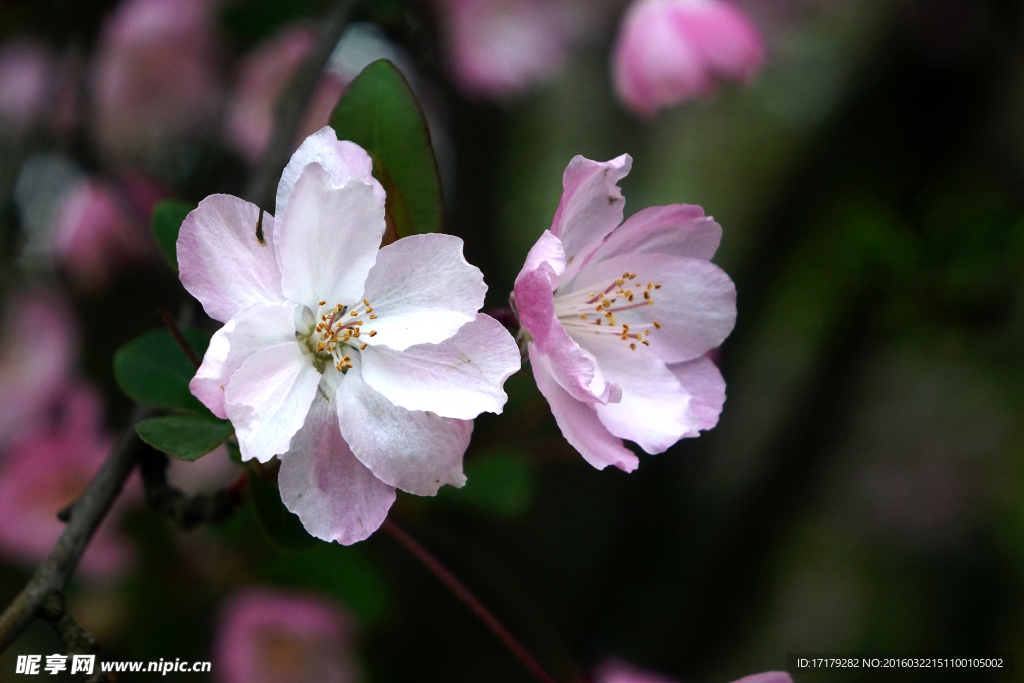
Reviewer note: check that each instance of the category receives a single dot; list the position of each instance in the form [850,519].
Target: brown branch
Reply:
[467,597]
[85,515]
[293,107]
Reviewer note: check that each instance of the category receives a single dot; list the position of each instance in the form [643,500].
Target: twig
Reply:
[186,511]
[293,108]
[172,327]
[89,510]
[470,600]
[86,515]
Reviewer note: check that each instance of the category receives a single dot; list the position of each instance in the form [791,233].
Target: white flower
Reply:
[361,368]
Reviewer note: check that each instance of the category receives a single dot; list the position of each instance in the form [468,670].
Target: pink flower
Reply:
[37,354]
[279,637]
[498,48]
[619,318]
[46,470]
[156,76]
[669,51]
[263,78]
[93,234]
[362,368]
[619,672]
[27,71]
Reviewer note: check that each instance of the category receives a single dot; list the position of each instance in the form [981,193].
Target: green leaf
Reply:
[167,218]
[154,371]
[280,526]
[380,113]
[186,437]
[499,482]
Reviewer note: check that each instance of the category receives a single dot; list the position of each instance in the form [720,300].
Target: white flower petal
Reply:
[335,496]
[460,377]
[221,262]
[415,451]
[342,160]
[327,239]
[703,381]
[268,397]
[256,328]
[422,291]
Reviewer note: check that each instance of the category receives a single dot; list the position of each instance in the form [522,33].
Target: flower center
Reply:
[594,311]
[341,327]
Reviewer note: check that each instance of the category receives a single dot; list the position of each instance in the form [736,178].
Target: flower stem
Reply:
[175,331]
[470,600]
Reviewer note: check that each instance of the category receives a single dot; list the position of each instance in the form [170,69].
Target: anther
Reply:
[645,342]
[323,302]
[365,302]
[363,346]
[373,333]
[657,325]
[353,313]
[373,317]
[633,346]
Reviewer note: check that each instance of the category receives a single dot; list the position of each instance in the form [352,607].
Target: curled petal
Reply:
[460,377]
[336,496]
[256,328]
[590,208]
[412,450]
[221,262]
[422,291]
[327,238]
[579,422]
[340,158]
[268,397]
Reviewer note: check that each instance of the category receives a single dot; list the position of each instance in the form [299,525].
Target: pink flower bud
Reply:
[669,51]
[156,76]
[95,232]
[26,74]
[498,48]
[268,637]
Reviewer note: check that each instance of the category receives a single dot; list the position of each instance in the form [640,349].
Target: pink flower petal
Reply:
[768,677]
[579,422]
[674,230]
[341,159]
[415,451]
[619,672]
[336,496]
[221,262]
[423,290]
[268,397]
[256,328]
[654,410]
[695,305]
[460,377]
[701,379]
[590,208]
[327,238]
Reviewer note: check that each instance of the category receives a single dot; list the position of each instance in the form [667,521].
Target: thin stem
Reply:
[172,327]
[293,107]
[470,600]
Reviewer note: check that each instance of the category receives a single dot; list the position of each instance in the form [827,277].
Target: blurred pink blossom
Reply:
[620,316]
[156,76]
[37,353]
[95,231]
[263,78]
[27,70]
[45,470]
[619,672]
[280,637]
[670,51]
[496,49]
